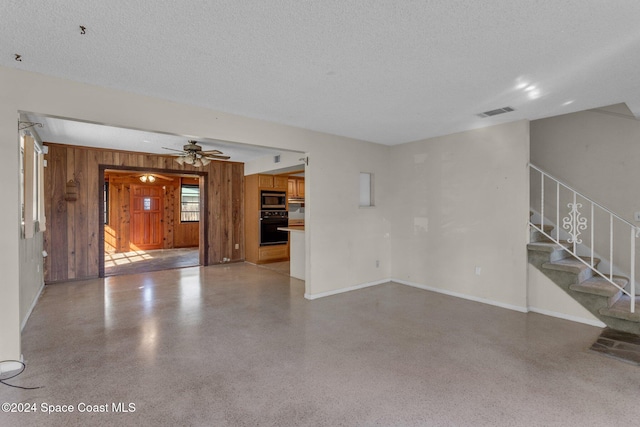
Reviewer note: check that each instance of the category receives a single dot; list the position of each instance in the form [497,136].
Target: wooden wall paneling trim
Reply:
[125,217]
[215,178]
[80,213]
[94,193]
[169,209]
[225,210]
[56,211]
[251,218]
[101,219]
[71,218]
[203,225]
[237,183]
[106,158]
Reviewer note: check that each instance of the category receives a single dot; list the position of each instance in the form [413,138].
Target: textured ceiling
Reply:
[387,71]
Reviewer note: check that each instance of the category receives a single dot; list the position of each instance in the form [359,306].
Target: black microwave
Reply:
[273,200]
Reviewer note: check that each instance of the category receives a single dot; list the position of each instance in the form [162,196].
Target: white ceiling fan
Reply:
[192,154]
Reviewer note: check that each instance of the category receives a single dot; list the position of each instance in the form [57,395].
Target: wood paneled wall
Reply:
[72,238]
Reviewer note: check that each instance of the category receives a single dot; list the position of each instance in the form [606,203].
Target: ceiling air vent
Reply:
[496,112]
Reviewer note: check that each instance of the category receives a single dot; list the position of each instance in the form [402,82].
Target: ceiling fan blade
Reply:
[216,156]
[166,178]
[173,149]
[211,152]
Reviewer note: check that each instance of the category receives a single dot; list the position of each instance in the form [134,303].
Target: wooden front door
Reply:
[146,217]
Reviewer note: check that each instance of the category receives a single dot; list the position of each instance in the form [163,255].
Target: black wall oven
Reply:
[273,200]
[269,223]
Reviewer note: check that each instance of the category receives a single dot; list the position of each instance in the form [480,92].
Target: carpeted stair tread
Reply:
[599,286]
[621,309]
[547,246]
[547,228]
[571,265]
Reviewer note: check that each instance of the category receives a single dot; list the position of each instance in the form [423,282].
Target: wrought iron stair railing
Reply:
[578,226]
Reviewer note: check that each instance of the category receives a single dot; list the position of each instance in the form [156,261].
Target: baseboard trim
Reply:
[461,295]
[33,304]
[577,319]
[343,290]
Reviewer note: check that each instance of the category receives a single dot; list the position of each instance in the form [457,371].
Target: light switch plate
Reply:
[636,216]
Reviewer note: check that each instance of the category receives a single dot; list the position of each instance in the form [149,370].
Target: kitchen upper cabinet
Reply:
[295,187]
[280,183]
[272,181]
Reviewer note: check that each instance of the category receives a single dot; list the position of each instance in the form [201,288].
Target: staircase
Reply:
[604,300]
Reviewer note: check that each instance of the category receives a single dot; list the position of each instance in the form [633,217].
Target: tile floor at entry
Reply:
[239,345]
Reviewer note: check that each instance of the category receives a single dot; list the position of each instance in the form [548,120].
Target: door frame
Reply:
[203,244]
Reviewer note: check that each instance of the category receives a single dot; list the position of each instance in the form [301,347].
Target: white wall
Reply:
[10,223]
[461,201]
[546,297]
[31,274]
[595,152]
[342,240]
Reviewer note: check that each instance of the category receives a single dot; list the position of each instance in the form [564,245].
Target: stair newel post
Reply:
[633,271]
[592,227]
[574,226]
[557,211]
[542,201]
[611,246]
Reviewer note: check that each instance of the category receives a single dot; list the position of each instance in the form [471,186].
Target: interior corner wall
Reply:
[460,214]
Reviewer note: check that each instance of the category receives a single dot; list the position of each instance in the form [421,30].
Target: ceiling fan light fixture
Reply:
[205,161]
[180,160]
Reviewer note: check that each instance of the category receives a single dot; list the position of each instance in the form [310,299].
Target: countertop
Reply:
[298,228]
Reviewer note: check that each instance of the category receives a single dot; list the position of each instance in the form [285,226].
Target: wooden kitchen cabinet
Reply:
[253,185]
[273,253]
[280,183]
[272,182]
[295,187]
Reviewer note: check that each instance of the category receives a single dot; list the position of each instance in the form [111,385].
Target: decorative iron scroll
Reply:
[574,223]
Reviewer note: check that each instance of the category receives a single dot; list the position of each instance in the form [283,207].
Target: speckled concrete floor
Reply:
[238,345]
[133,262]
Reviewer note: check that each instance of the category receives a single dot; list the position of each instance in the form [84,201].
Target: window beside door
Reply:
[189,203]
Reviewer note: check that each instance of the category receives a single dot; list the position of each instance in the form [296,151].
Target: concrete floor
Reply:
[238,345]
[142,261]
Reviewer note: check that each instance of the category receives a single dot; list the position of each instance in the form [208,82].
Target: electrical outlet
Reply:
[478,270]
[377,263]
[636,216]
[237,245]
